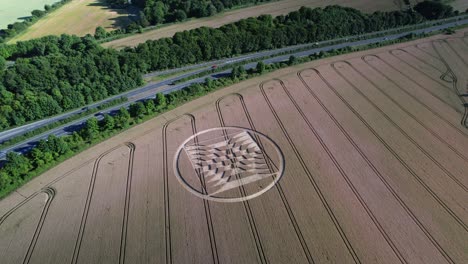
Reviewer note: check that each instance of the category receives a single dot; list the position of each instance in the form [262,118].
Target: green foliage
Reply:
[260,68]
[2,63]
[46,154]
[434,9]
[180,15]
[56,74]
[238,72]
[157,12]
[91,129]
[38,13]
[161,102]
[137,110]
[100,33]
[108,123]
[265,32]
[150,106]
[122,119]
[292,60]
[40,130]
[17,166]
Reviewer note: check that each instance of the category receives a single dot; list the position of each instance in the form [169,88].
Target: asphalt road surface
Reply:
[166,87]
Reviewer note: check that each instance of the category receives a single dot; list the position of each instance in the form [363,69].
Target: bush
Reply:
[434,9]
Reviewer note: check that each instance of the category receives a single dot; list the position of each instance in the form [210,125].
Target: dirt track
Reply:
[375,172]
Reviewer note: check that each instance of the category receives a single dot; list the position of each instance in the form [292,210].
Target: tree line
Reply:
[265,32]
[56,74]
[156,12]
[18,169]
[59,73]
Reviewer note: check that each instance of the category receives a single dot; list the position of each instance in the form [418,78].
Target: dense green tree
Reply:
[17,165]
[91,129]
[38,13]
[56,74]
[161,102]
[292,60]
[155,11]
[180,15]
[238,72]
[58,146]
[2,63]
[5,180]
[261,67]
[137,110]
[434,9]
[150,106]
[75,140]
[37,157]
[108,123]
[122,118]
[100,33]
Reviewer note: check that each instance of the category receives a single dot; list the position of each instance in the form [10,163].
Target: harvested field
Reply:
[79,17]
[360,158]
[275,8]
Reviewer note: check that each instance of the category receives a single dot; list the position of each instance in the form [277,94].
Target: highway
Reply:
[270,56]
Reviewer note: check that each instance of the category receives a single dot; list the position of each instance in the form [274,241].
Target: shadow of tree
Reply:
[126,15]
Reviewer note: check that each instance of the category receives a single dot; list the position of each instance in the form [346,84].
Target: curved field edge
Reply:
[128,134]
[353,199]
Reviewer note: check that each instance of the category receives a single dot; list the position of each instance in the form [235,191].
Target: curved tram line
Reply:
[425,51]
[248,209]
[391,150]
[404,109]
[411,139]
[372,166]
[393,51]
[409,94]
[311,178]
[455,50]
[455,86]
[270,166]
[206,204]
[343,174]
[50,192]
[443,75]
[454,81]
[84,218]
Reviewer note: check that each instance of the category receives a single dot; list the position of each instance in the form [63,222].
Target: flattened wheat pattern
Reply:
[221,159]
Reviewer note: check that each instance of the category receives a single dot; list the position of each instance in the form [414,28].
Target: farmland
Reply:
[375,161]
[11,11]
[281,7]
[79,17]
